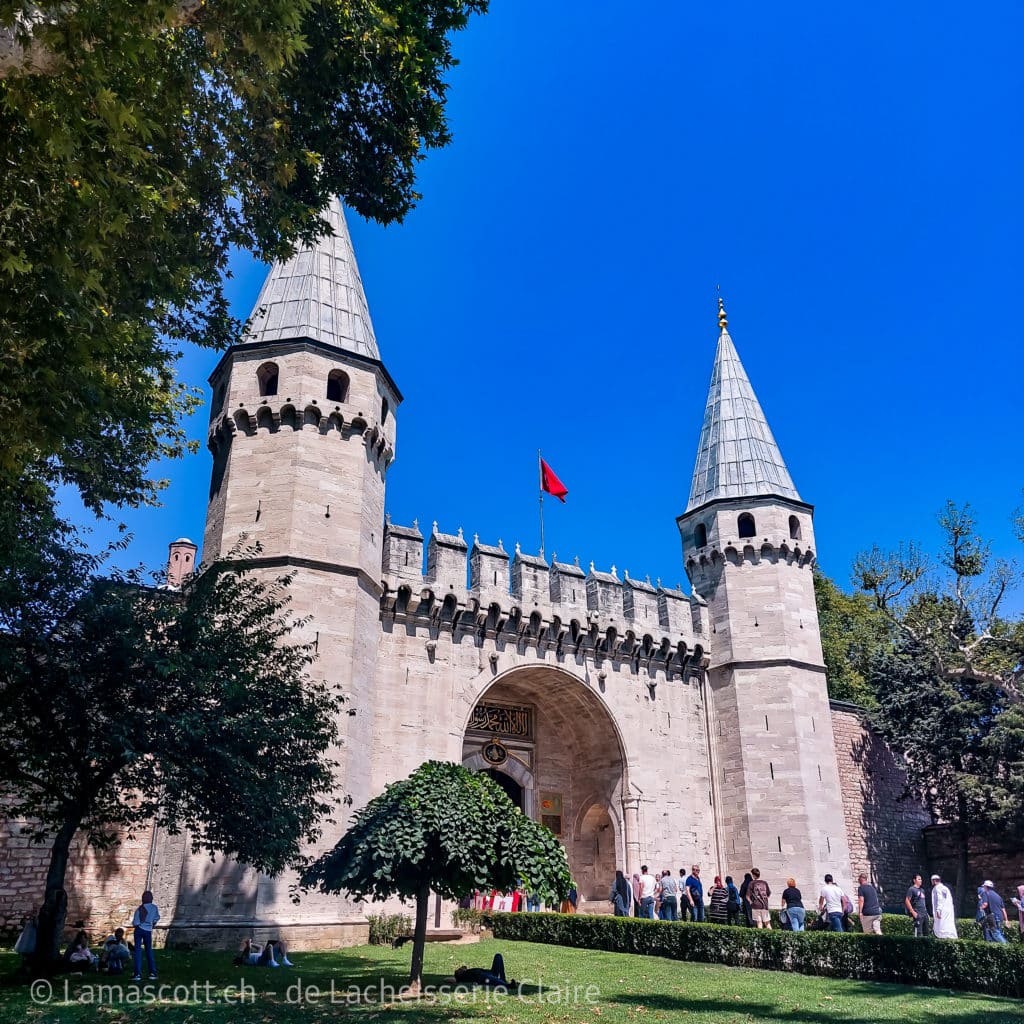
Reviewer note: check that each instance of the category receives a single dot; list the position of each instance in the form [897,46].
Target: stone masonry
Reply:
[640,723]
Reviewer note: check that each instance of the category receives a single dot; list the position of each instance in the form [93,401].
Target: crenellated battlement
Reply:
[772,550]
[273,417]
[524,600]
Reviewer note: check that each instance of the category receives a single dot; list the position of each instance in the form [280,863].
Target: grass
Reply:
[629,990]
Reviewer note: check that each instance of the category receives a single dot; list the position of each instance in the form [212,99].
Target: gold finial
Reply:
[723,321]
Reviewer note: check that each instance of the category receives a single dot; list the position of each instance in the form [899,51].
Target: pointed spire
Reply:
[317,294]
[737,456]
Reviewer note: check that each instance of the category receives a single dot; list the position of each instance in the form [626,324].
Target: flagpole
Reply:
[540,474]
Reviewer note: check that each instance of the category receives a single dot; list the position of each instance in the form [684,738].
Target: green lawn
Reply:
[630,989]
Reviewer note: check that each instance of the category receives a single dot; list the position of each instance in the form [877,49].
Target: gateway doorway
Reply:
[512,788]
[549,741]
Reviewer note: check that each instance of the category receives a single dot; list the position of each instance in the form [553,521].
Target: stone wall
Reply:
[1001,862]
[103,886]
[883,821]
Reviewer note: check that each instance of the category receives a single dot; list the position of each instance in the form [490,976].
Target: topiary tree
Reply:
[446,829]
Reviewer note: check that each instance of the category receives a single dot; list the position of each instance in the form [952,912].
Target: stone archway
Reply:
[595,844]
[560,743]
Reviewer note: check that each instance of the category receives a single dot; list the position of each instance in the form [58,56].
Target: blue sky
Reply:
[850,175]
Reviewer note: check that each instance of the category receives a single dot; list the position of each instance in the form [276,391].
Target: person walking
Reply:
[793,905]
[648,886]
[917,907]
[943,911]
[146,915]
[869,908]
[995,913]
[669,897]
[696,890]
[745,899]
[1018,902]
[685,900]
[758,894]
[718,910]
[830,903]
[734,904]
[621,895]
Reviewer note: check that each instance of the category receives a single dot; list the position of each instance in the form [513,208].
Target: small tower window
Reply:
[266,376]
[337,386]
[700,536]
[794,528]
[746,525]
[383,411]
[218,399]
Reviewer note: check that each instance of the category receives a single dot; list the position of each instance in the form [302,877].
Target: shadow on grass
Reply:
[984,1012]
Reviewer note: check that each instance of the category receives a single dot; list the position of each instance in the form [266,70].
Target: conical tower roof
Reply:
[737,456]
[317,294]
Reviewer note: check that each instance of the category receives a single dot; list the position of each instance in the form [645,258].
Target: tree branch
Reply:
[22,54]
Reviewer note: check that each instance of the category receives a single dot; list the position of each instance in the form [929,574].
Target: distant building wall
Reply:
[987,859]
[103,886]
[883,822]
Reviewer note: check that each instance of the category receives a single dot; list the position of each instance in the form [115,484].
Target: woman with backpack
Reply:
[734,903]
[146,915]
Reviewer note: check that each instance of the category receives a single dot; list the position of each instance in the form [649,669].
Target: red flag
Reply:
[550,483]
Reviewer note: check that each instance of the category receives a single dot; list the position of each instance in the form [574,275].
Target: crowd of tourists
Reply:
[667,897]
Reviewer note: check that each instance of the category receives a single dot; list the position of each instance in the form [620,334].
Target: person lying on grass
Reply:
[494,978]
[252,954]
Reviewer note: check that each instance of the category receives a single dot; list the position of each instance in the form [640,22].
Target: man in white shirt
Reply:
[648,883]
[830,903]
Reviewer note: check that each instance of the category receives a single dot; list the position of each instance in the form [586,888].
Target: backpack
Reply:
[847,905]
[758,891]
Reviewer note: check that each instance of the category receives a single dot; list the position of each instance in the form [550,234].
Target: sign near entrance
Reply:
[494,753]
[505,719]
[551,811]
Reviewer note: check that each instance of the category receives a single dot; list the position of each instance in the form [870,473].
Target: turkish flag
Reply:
[550,483]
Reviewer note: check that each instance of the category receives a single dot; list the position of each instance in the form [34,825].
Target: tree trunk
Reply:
[55,902]
[419,940]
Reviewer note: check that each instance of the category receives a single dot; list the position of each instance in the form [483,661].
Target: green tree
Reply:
[853,631]
[949,694]
[122,703]
[446,829]
[141,142]
[950,607]
[962,744]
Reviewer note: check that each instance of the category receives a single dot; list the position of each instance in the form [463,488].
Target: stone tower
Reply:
[748,546]
[181,561]
[302,432]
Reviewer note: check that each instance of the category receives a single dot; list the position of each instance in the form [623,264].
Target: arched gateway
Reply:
[542,732]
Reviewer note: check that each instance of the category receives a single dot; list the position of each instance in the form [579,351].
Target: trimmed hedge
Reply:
[903,924]
[970,966]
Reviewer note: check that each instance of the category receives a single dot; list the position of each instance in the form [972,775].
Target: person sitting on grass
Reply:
[115,952]
[82,958]
[494,978]
[252,954]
